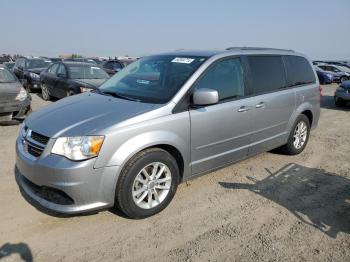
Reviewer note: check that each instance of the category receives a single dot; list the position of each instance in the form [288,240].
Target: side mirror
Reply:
[204,97]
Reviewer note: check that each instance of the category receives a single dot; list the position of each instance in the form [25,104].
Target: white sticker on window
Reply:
[142,82]
[182,60]
[93,67]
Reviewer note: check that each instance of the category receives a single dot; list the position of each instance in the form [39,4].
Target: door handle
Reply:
[243,109]
[260,105]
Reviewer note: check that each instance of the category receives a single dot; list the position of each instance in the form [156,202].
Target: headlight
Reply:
[79,147]
[85,89]
[22,95]
[33,75]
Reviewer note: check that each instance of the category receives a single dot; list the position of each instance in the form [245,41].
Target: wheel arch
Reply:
[165,140]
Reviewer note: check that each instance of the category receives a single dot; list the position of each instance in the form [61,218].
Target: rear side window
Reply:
[267,73]
[225,77]
[299,71]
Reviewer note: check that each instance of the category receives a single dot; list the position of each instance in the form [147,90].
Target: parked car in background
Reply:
[342,94]
[112,66]
[14,99]
[68,78]
[9,65]
[338,63]
[342,76]
[56,59]
[324,77]
[336,75]
[5,58]
[83,60]
[28,71]
[162,120]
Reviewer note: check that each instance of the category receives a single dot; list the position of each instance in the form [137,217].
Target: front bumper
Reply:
[64,186]
[345,95]
[34,83]
[15,110]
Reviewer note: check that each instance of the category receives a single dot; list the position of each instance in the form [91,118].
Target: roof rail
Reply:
[256,48]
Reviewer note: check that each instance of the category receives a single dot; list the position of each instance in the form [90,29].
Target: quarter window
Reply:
[299,71]
[226,77]
[267,73]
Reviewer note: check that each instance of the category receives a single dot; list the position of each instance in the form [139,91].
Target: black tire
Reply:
[339,102]
[289,148]
[45,93]
[343,79]
[124,199]
[26,86]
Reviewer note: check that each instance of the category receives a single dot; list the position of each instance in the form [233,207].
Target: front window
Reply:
[153,79]
[86,72]
[6,76]
[37,63]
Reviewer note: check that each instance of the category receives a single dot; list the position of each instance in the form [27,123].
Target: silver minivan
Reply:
[162,120]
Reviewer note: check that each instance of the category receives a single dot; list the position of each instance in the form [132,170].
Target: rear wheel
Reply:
[299,136]
[343,79]
[147,184]
[45,92]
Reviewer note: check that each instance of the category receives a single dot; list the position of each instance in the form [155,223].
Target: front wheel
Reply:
[343,79]
[298,137]
[147,184]
[45,92]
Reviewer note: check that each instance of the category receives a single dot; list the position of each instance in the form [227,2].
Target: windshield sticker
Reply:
[93,67]
[142,82]
[182,60]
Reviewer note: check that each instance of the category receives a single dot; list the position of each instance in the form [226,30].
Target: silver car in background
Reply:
[162,120]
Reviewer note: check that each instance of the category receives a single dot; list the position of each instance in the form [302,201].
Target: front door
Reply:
[220,133]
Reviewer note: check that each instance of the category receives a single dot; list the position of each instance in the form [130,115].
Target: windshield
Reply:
[37,63]
[153,79]
[6,76]
[86,72]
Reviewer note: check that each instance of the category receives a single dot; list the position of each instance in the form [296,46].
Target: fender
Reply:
[145,140]
[301,108]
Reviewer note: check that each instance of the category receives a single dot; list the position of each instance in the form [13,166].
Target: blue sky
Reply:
[319,28]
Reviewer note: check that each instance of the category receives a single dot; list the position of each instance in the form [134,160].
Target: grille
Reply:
[39,138]
[34,151]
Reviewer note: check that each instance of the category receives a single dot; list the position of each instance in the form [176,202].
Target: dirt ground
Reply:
[271,207]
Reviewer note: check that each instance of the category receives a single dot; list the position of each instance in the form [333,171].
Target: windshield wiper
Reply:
[114,94]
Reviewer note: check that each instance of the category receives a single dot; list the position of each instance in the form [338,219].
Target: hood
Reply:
[84,114]
[9,91]
[90,82]
[36,70]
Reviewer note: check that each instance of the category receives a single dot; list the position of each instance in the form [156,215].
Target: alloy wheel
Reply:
[45,92]
[300,135]
[151,185]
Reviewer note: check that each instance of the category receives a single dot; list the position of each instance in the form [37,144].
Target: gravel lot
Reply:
[268,208]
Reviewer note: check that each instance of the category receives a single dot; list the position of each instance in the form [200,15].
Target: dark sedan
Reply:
[112,66]
[14,99]
[28,71]
[342,94]
[68,78]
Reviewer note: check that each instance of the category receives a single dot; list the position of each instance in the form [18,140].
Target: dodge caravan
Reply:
[162,120]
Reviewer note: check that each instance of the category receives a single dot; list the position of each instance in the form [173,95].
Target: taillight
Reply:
[320,89]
